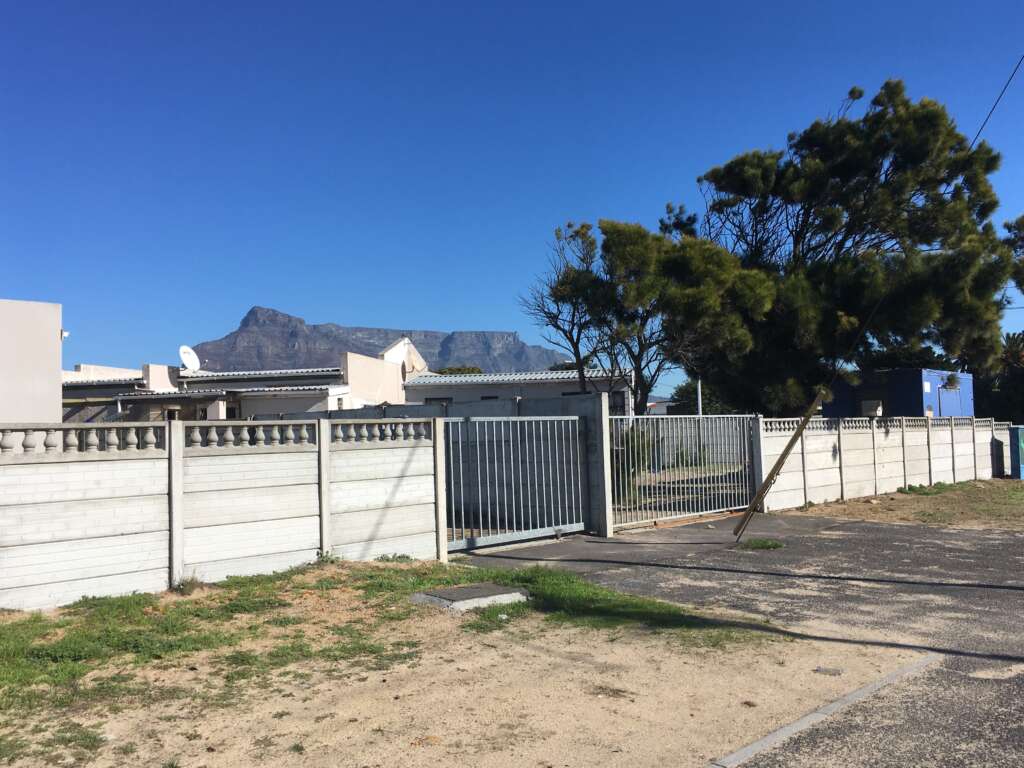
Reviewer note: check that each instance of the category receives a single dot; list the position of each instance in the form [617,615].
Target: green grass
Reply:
[11,749]
[72,735]
[43,660]
[57,663]
[496,617]
[394,559]
[931,490]
[756,544]
[561,596]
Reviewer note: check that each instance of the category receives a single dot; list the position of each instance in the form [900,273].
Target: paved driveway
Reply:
[956,592]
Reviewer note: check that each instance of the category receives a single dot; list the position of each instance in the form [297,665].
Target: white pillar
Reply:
[175,436]
[323,453]
[440,490]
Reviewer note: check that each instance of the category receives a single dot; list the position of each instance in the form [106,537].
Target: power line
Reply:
[998,99]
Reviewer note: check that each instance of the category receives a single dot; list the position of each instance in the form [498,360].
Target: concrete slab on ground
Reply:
[470,596]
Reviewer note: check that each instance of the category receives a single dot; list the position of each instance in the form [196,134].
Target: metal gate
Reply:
[666,467]
[512,478]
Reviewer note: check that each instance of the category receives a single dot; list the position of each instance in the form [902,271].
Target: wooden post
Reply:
[440,491]
[323,453]
[176,499]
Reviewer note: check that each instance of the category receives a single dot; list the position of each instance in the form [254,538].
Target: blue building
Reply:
[904,392]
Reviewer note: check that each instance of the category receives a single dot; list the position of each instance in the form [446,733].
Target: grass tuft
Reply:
[756,544]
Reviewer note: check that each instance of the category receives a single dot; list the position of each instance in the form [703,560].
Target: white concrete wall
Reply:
[88,511]
[382,500]
[75,528]
[853,458]
[247,513]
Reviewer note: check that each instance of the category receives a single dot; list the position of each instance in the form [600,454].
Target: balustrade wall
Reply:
[839,459]
[128,507]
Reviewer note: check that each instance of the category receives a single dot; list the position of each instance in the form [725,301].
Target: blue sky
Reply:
[165,167]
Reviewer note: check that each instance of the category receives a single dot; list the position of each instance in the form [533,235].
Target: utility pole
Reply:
[700,403]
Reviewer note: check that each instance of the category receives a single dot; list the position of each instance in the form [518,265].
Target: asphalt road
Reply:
[956,592]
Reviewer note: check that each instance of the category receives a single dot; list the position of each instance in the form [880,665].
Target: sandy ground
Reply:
[531,695]
[976,504]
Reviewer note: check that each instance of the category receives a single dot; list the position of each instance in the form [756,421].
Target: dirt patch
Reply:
[532,693]
[977,504]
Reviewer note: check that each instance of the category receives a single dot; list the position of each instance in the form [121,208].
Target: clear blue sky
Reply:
[163,167]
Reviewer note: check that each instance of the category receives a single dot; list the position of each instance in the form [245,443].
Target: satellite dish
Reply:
[189,358]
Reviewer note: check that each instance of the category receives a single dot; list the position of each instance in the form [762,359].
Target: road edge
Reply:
[779,735]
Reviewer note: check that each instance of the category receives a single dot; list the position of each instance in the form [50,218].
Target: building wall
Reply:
[30,354]
[371,380]
[271,406]
[464,393]
[90,372]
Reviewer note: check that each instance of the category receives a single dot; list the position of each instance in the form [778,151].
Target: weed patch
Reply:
[752,545]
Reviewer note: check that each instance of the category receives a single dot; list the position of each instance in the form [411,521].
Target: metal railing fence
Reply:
[666,467]
[512,478]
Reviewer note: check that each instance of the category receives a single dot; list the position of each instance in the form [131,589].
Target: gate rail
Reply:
[668,467]
[512,478]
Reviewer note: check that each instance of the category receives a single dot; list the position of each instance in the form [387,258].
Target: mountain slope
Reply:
[268,339]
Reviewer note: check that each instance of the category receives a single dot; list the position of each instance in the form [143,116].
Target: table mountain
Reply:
[267,339]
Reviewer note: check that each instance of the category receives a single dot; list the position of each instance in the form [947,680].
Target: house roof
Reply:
[272,390]
[282,372]
[171,394]
[94,382]
[521,377]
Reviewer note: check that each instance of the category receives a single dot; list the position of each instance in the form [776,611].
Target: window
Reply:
[201,414]
[437,400]
[488,397]
[232,412]
[573,393]
[617,404]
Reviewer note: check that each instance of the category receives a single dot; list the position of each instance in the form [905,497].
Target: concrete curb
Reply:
[740,756]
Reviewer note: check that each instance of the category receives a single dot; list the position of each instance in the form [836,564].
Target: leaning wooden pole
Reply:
[769,481]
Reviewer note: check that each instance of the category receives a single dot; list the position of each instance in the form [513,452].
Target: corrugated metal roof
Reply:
[128,380]
[303,388]
[171,394]
[204,375]
[521,377]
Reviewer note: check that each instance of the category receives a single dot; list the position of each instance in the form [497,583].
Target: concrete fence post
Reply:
[323,454]
[600,469]
[874,453]
[903,443]
[952,445]
[931,460]
[839,443]
[176,499]
[803,465]
[440,490]
[974,445]
[757,452]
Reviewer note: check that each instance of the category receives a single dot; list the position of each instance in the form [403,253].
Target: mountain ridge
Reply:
[268,339]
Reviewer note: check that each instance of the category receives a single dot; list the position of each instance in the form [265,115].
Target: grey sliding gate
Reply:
[666,467]
[513,478]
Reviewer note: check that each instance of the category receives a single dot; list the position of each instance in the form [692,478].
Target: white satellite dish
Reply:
[189,358]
